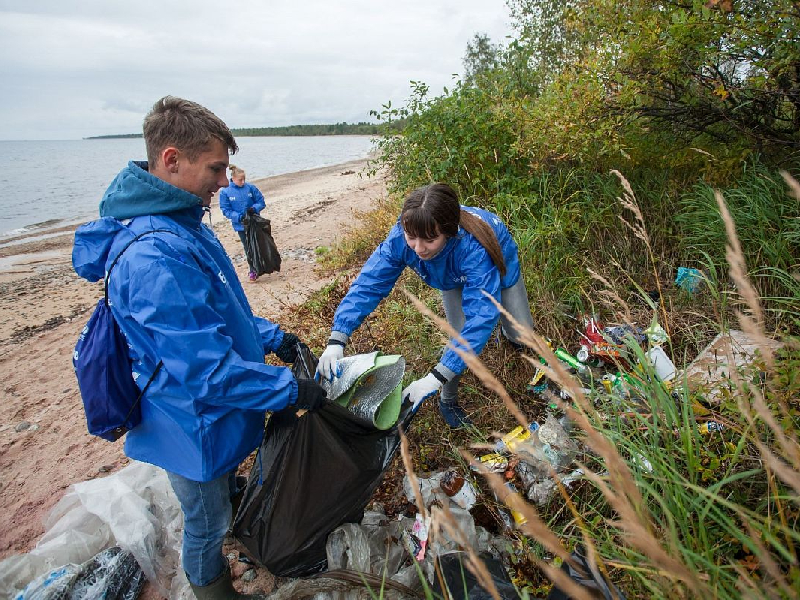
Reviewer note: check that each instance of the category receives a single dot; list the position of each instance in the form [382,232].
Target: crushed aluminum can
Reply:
[512,439]
[583,354]
[710,426]
[494,462]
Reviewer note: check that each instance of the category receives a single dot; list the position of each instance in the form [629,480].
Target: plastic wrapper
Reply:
[549,447]
[110,574]
[262,253]
[133,508]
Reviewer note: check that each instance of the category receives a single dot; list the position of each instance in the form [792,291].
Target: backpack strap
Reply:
[105,293]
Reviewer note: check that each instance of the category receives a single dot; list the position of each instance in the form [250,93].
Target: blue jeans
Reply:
[207,512]
[513,299]
[243,238]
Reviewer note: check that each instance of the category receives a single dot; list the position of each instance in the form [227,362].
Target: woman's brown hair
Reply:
[434,209]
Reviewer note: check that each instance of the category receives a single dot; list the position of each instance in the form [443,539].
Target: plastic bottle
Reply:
[567,358]
[511,501]
[458,489]
[664,367]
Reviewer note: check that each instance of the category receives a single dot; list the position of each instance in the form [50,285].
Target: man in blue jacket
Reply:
[176,297]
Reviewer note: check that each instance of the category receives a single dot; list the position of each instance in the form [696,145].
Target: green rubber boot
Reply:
[222,589]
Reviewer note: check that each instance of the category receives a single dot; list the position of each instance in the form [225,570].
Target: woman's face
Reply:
[238,179]
[426,248]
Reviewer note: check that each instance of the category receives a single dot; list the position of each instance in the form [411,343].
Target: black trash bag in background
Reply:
[262,253]
[587,576]
[463,585]
[312,474]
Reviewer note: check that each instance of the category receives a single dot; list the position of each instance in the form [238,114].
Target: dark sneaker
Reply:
[253,276]
[453,414]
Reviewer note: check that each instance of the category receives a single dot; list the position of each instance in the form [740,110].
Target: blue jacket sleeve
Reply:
[373,284]
[226,208]
[258,203]
[206,362]
[480,313]
[271,334]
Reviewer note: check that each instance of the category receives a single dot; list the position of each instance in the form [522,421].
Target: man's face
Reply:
[206,174]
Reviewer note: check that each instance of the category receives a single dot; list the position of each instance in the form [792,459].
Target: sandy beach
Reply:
[44,445]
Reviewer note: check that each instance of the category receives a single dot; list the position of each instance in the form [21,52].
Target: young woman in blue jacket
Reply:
[462,251]
[237,200]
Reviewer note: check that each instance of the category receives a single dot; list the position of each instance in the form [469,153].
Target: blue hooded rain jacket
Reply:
[177,299]
[463,264]
[234,201]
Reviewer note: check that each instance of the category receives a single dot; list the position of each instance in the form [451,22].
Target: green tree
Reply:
[716,74]
[480,58]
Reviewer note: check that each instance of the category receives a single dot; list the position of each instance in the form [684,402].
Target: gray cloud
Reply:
[76,69]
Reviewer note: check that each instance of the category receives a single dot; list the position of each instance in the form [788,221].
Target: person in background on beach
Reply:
[176,297]
[460,250]
[237,200]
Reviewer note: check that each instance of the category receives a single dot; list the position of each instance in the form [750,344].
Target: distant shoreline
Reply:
[133,136]
[368,129]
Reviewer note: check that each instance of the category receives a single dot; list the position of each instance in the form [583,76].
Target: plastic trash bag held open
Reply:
[315,472]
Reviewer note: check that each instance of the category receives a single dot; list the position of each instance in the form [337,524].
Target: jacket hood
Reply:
[135,192]
[92,245]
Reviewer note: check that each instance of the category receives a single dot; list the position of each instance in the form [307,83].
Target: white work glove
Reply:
[421,389]
[327,367]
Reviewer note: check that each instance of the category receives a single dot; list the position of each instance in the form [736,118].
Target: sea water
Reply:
[51,183]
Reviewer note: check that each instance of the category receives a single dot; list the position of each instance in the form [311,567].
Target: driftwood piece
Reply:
[343,580]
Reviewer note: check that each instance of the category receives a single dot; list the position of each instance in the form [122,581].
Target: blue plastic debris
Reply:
[689,279]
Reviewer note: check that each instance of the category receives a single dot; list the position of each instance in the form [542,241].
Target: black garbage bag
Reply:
[262,253]
[588,576]
[463,585]
[312,473]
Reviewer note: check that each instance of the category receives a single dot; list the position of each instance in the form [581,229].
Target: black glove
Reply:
[310,394]
[287,351]
[251,211]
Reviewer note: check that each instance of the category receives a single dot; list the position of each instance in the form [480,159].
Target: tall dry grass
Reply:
[666,563]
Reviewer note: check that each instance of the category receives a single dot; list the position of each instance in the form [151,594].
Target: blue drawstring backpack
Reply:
[103,368]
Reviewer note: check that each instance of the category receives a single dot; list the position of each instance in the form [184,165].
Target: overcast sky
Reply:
[72,69]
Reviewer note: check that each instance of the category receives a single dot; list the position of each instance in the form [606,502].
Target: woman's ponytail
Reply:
[484,233]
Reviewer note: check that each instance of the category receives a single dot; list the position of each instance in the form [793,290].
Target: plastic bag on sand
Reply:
[133,508]
[112,573]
